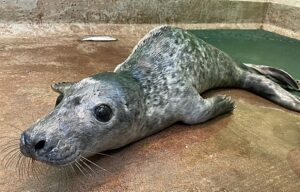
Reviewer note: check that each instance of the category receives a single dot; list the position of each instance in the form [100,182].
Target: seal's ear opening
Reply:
[62,87]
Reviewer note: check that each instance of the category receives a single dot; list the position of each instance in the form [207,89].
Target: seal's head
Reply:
[95,114]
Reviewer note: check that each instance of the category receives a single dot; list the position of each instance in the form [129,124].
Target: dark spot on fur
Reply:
[76,101]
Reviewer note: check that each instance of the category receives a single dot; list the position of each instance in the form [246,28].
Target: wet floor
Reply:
[257,148]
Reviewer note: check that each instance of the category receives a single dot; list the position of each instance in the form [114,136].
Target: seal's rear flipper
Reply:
[279,76]
[269,89]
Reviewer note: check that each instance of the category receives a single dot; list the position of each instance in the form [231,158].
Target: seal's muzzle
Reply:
[33,146]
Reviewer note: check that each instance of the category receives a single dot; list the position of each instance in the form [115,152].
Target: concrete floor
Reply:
[256,148]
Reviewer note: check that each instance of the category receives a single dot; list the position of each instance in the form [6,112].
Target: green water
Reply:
[256,47]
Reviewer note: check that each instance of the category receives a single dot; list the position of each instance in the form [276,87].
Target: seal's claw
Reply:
[205,109]
[225,104]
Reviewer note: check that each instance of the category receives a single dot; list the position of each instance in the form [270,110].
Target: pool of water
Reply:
[257,47]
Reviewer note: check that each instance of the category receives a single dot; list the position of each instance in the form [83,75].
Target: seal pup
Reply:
[157,85]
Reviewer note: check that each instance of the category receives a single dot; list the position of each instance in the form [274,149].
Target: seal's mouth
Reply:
[60,162]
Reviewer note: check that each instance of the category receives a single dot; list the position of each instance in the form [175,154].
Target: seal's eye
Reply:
[103,113]
[59,99]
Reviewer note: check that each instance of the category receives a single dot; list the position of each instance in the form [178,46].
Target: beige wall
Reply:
[294,3]
[283,14]
[131,11]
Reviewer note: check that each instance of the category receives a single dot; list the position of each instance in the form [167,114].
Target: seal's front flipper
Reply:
[279,76]
[200,110]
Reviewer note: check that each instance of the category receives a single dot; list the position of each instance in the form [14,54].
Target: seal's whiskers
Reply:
[89,167]
[34,170]
[13,159]
[11,156]
[73,169]
[20,157]
[22,168]
[98,166]
[9,150]
[85,169]
[97,153]
[77,164]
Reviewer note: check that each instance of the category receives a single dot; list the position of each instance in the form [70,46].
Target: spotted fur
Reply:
[157,85]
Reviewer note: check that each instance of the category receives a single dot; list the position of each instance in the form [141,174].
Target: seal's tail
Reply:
[273,84]
[279,76]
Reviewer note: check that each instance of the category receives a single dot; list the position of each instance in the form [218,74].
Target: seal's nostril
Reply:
[40,145]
